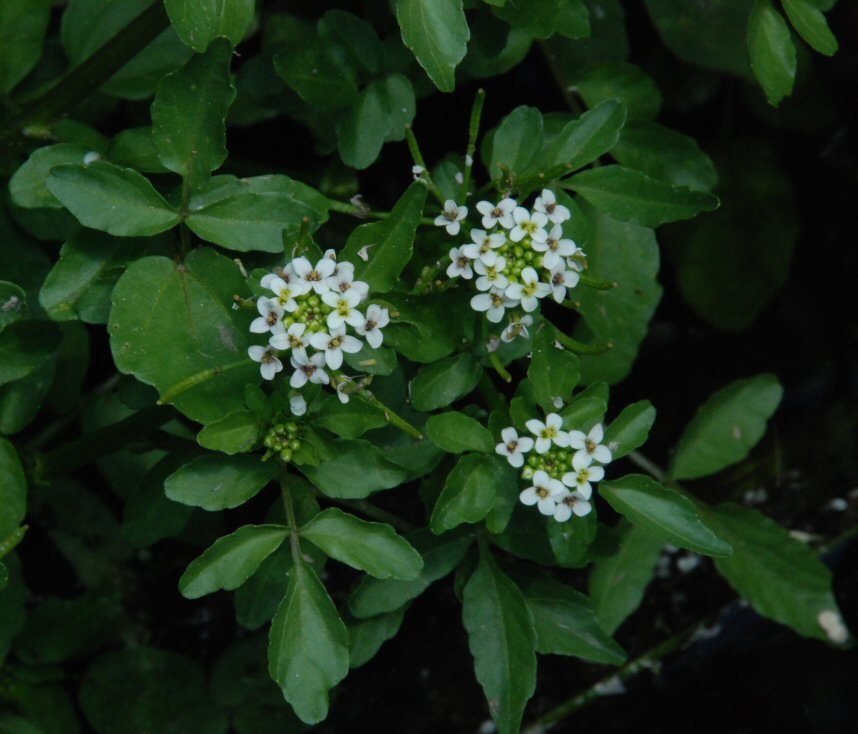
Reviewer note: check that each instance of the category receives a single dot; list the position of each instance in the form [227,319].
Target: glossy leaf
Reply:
[28,184]
[198,22]
[355,469]
[470,491]
[726,427]
[662,512]
[235,433]
[22,27]
[629,430]
[544,18]
[570,541]
[456,433]
[553,371]
[625,82]
[13,490]
[515,144]
[771,50]
[440,384]
[320,71]
[586,138]
[347,420]
[26,345]
[216,482]
[366,636]
[807,18]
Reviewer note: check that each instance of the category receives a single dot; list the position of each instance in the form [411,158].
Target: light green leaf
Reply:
[26,346]
[260,213]
[771,50]
[440,555]
[502,639]
[456,433]
[308,651]
[470,491]
[553,371]
[632,196]
[782,578]
[170,322]
[368,546]
[515,144]
[808,20]
[388,243]
[662,512]
[618,583]
[436,32]
[320,71]
[366,636]
[27,186]
[113,199]
[235,433]
[189,111]
[629,430]
[231,560]
[354,470]
[440,384]
[13,490]
[726,427]
[216,482]
[22,27]
[198,22]
[544,18]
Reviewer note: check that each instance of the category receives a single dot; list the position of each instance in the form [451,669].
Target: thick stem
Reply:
[389,415]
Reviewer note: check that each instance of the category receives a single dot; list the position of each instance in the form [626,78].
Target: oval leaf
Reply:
[216,482]
[456,433]
[470,491]
[629,430]
[437,385]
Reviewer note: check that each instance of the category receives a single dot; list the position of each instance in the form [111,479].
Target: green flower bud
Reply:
[285,456]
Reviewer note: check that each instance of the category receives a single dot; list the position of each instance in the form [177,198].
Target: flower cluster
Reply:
[309,316]
[561,465]
[518,258]
[283,439]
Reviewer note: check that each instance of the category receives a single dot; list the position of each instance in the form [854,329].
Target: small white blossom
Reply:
[583,472]
[500,213]
[345,308]
[293,339]
[270,315]
[543,493]
[549,432]
[514,446]
[494,303]
[451,217]
[308,370]
[269,365]
[547,204]
[516,328]
[376,319]
[417,172]
[287,291]
[590,444]
[529,290]
[530,224]
[334,344]
[555,247]
[483,245]
[297,405]
[340,387]
[491,276]
[343,279]
[459,178]
[460,264]
[316,277]
[561,279]
[570,503]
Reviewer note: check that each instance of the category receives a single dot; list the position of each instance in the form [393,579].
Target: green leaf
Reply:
[470,491]
[13,303]
[586,138]
[456,433]
[726,427]
[257,599]
[13,490]
[198,22]
[235,433]
[259,213]
[440,384]
[347,420]
[355,35]
[231,560]
[379,115]
[189,111]
[811,25]
[781,577]
[502,639]
[422,331]
[27,185]
[587,408]
[308,651]
[135,148]
[354,470]
[26,346]
[621,81]
[515,144]
[629,430]
[366,636]
[216,482]
[632,196]
[618,583]
[553,371]
[440,555]
[436,32]
[566,624]
[320,71]
[544,18]
[664,513]
[570,541]
[22,27]
[771,50]
[388,244]
[170,322]
[13,601]
[367,546]
[111,198]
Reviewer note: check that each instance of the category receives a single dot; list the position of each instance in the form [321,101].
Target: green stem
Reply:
[499,368]
[291,521]
[473,132]
[427,277]
[170,395]
[88,76]
[390,416]
[417,156]
[649,466]
[597,283]
[344,207]
[573,345]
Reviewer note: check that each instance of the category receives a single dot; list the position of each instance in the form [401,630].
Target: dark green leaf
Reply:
[440,384]
[135,148]
[570,540]
[25,346]
[515,144]
[587,408]
[771,50]
[421,332]
[235,433]
[808,20]
[355,469]
[13,600]
[198,22]
[624,82]
[27,186]
[320,71]
[22,27]
[726,427]
[629,430]
[544,18]
[553,371]
[470,491]
[347,420]
[355,35]
[257,599]
[13,303]
[13,490]
[586,138]
[456,433]
[216,482]
[366,636]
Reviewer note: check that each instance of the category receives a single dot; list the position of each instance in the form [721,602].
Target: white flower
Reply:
[517,327]
[345,311]
[286,291]
[514,446]
[376,319]
[529,290]
[528,223]
[291,339]
[308,370]
[547,204]
[316,277]
[494,303]
[543,493]
[271,314]
[460,265]
[483,246]
[583,473]
[334,344]
[343,280]
[549,432]
[491,275]
[569,503]
[500,213]
[269,365]
[590,444]
[297,405]
[555,247]
[561,279]
[451,216]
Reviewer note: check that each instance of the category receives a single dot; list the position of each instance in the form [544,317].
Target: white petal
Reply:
[581,508]
[268,370]
[547,505]
[334,358]
[297,405]
[509,434]
[525,444]
[259,325]
[529,496]
[535,426]
[256,352]
[515,459]
[562,512]
[596,473]
[374,337]
[597,433]
[602,454]
[577,439]
[298,379]
[561,439]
